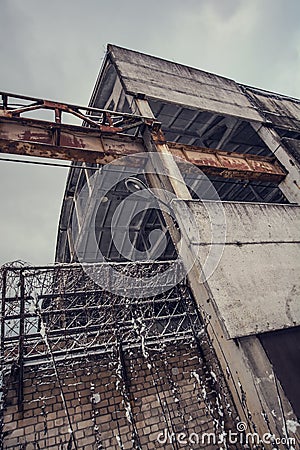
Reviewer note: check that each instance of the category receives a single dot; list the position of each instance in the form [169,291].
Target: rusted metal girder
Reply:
[228,164]
[37,138]
[14,105]
[32,137]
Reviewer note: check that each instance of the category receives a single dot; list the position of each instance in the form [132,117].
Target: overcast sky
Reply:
[53,49]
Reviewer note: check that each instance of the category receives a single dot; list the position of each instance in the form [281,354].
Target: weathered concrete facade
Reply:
[256,284]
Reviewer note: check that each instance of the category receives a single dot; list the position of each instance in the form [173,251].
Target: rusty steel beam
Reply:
[229,164]
[38,138]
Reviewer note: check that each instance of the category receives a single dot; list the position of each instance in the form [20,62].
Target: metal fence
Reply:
[60,311]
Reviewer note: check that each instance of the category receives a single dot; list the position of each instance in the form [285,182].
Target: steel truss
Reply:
[59,308]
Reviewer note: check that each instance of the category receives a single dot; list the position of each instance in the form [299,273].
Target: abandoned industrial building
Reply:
[170,318]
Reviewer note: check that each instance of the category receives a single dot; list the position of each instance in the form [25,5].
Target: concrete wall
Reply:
[256,284]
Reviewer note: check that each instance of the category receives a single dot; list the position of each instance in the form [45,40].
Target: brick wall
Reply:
[118,400]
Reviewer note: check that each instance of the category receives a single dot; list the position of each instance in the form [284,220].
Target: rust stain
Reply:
[71,140]
[158,137]
[35,136]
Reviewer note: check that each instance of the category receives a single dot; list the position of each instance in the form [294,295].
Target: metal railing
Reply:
[14,105]
[59,309]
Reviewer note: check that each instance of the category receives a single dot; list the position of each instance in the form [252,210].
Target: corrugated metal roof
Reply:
[176,83]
